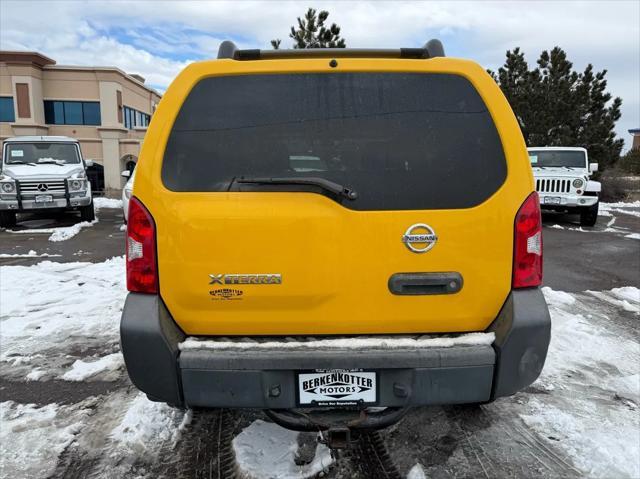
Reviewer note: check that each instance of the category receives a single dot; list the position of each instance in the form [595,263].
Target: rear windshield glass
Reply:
[557,159]
[401,141]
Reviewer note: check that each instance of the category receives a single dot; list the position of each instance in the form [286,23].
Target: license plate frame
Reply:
[337,391]
[44,198]
[552,200]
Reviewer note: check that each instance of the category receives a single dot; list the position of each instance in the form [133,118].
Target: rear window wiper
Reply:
[323,183]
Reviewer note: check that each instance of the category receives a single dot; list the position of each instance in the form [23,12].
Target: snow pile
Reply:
[35,374]
[76,305]
[101,202]
[627,298]
[31,254]
[353,343]
[592,407]
[81,370]
[416,472]
[62,233]
[147,424]
[633,236]
[627,293]
[557,297]
[265,449]
[23,451]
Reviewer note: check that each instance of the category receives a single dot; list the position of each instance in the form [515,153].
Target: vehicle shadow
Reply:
[46,220]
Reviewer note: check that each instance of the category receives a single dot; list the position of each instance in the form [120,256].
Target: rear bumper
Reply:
[267,378]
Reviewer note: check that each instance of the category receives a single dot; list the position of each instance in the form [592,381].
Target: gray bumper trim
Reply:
[267,379]
[149,340]
[523,332]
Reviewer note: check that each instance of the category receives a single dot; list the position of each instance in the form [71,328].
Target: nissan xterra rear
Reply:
[315,232]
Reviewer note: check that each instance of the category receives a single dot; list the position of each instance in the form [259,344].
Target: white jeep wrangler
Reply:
[43,173]
[562,181]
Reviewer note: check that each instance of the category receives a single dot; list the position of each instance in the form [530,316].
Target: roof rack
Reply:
[433,48]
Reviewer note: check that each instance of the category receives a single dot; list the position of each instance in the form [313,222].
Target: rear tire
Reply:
[372,457]
[7,219]
[589,215]
[87,213]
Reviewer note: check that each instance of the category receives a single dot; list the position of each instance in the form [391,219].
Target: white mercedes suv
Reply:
[43,173]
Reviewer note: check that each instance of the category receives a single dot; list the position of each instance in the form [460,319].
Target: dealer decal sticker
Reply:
[337,387]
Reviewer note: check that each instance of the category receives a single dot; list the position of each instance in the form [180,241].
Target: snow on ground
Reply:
[351,343]
[32,438]
[628,293]
[592,380]
[625,212]
[588,395]
[266,450]
[31,254]
[633,236]
[101,202]
[628,298]
[620,204]
[75,306]
[82,370]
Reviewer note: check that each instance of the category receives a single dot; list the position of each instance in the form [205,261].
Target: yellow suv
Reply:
[333,229]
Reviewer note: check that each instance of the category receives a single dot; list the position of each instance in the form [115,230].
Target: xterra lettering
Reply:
[245,279]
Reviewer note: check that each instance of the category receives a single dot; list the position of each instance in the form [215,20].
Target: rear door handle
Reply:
[414,284]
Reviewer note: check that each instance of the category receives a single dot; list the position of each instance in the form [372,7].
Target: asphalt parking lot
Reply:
[68,410]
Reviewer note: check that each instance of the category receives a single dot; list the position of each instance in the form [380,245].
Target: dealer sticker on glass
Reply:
[337,387]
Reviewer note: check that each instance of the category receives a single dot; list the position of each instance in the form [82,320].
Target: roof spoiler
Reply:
[433,48]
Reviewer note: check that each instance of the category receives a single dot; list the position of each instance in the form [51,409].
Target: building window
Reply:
[58,112]
[133,118]
[6,109]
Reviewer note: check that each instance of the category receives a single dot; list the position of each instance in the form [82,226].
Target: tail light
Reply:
[142,268]
[527,254]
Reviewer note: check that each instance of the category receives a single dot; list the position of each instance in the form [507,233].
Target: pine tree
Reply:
[557,106]
[312,33]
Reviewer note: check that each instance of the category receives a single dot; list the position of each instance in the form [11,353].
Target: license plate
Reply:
[337,387]
[552,200]
[44,198]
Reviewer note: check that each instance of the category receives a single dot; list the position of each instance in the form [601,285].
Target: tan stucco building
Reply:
[635,133]
[106,109]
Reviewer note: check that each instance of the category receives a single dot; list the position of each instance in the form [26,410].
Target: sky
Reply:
[156,39]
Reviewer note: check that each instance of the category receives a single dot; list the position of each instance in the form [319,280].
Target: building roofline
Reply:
[103,69]
[634,131]
[10,56]
[46,63]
